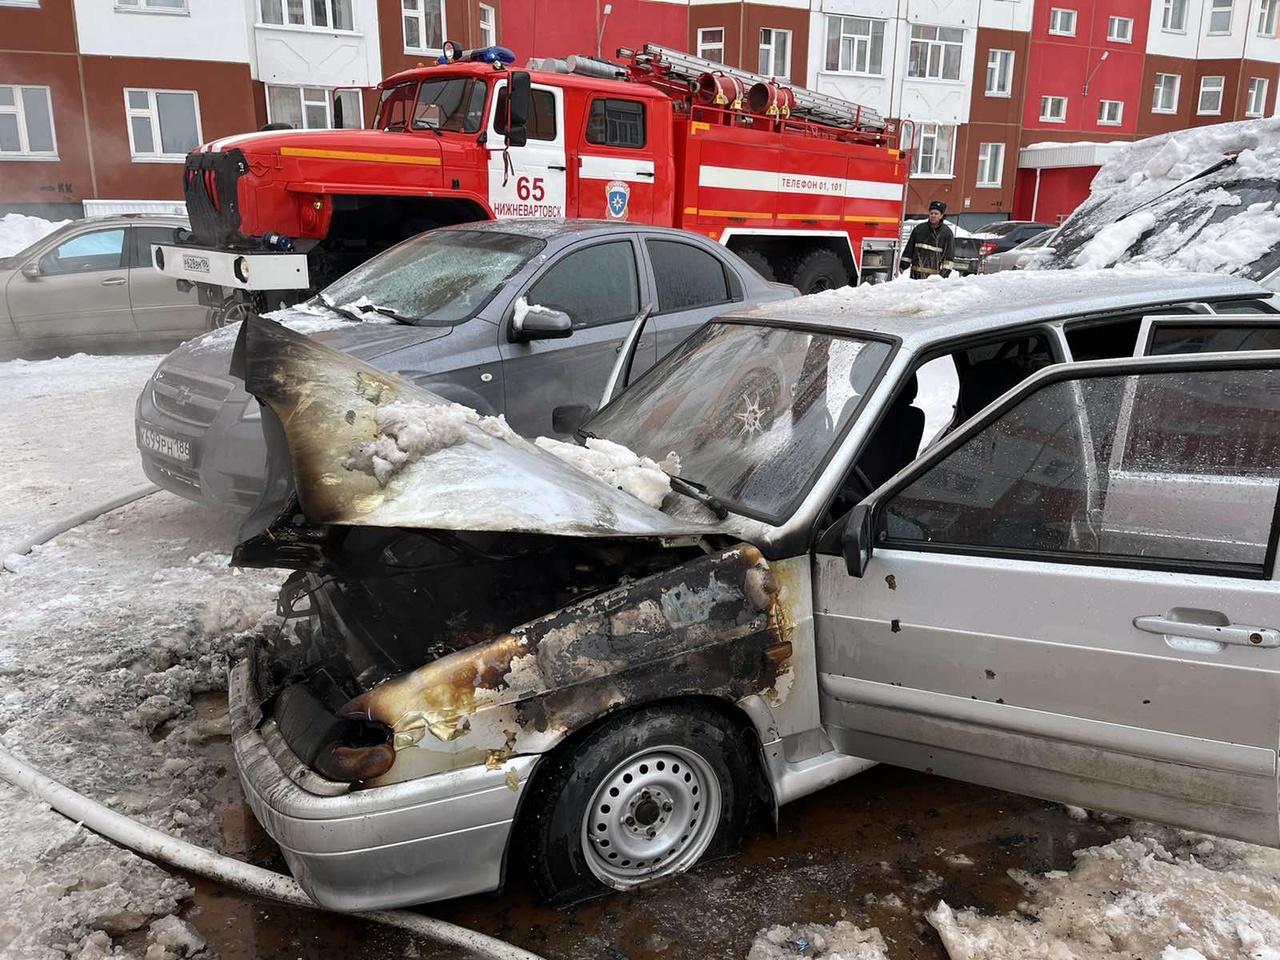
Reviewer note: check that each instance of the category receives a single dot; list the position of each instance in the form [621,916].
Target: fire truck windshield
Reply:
[453,104]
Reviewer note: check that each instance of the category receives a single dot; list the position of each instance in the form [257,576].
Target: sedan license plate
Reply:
[164,445]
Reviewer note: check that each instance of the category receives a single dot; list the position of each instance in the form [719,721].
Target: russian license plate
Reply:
[164,445]
[195,263]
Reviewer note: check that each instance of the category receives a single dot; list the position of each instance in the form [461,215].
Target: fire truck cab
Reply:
[803,186]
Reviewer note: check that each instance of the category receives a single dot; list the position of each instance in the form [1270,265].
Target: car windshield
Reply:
[438,278]
[752,411]
[455,104]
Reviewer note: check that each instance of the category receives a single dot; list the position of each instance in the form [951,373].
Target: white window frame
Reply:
[1056,29]
[861,42]
[19,110]
[705,46]
[421,16]
[146,6]
[1114,34]
[1168,22]
[1256,103]
[1046,114]
[152,113]
[986,162]
[772,48]
[1205,88]
[308,22]
[1216,9]
[1267,18]
[1106,121]
[29,4]
[941,47]
[303,102]
[489,29]
[932,131]
[1177,93]
[994,56]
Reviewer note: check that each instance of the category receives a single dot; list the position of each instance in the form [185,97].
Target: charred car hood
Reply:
[327,416]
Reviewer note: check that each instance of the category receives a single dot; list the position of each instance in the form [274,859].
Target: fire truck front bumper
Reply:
[264,270]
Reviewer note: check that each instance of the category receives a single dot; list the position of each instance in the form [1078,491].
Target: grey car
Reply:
[602,664]
[1021,256]
[518,317]
[89,287]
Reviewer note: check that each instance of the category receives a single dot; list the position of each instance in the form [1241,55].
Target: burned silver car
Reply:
[602,664]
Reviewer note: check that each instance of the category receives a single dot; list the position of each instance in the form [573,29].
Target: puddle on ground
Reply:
[839,854]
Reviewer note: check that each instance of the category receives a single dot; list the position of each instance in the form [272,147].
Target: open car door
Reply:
[1030,607]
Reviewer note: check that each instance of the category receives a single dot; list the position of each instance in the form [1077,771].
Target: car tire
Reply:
[758,262]
[818,271]
[642,796]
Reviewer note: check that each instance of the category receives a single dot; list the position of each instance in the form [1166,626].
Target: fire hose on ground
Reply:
[156,845]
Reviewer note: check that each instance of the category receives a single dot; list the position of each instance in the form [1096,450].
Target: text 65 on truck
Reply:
[806,187]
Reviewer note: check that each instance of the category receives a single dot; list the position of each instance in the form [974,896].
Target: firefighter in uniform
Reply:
[928,250]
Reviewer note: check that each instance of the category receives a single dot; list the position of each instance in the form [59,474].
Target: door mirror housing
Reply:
[532,322]
[856,541]
[519,107]
[32,271]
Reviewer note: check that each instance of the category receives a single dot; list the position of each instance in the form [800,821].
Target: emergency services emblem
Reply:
[617,196]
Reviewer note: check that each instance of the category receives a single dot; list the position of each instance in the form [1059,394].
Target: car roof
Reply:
[923,312]
[545,229]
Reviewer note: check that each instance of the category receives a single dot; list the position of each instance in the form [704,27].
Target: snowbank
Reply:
[18,231]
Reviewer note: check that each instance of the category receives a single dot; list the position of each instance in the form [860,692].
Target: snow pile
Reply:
[1109,244]
[1135,899]
[305,318]
[843,941]
[18,231]
[523,308]
[612,463]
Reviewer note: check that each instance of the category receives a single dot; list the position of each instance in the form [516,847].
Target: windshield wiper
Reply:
[386,312]
[696,491]
[340,311]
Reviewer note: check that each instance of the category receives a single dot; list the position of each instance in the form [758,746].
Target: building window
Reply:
[935,148]
[320,14]
[999,73]
[26,123]
[33,4]
[1220,18]
[423,25]
[1166,98]
[1053,109]
[1267,18]
[1120,29]
[990,164]
[1110,113]
[1174,19]
[855,45]
[775,53]
[163,124]
[1210,96]
[488,26]
[1257,103]
[935,52]
[1062,22]
[312,108]
[711,43]
[153,6]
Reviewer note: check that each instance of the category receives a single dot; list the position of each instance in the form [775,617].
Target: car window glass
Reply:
[1266,307]
[1168,338]
[988,370]
[617,123]
[144,237]
[1178,467]
[593,286]
[100,250]
[688,277]
[1112,338]
[542,114]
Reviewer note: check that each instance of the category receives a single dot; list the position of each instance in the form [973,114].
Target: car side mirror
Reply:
[31,271]
[532,322]
[519,107]
[856,540]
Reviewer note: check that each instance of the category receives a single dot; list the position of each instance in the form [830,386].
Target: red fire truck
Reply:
[807,187]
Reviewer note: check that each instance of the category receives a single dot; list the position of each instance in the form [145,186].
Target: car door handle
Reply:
[114,281]
[645,173]
[554,166]
[1228,633]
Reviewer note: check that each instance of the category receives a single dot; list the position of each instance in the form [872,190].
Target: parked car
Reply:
[1019,257]
[1004,235]
[520,317]
[499,660]
[966,254]
[89,287]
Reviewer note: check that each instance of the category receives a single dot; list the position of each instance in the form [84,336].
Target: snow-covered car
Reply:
[89,287]
[1025,254]
[520,317]
[1201,199]
[602,664]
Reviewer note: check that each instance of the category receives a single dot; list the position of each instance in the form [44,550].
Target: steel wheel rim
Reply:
[234,313]
[654,814]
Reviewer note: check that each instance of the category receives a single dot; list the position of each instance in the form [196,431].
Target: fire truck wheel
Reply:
[758,262]
[233,310]
[819,270]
